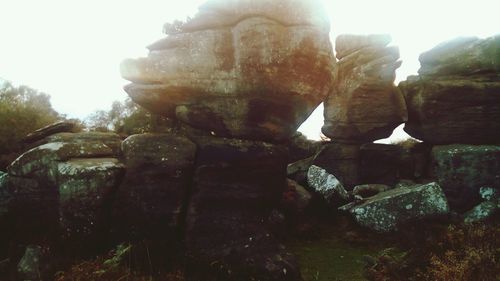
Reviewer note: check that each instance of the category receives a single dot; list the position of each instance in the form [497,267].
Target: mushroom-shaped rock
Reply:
[246,69]
[364,105]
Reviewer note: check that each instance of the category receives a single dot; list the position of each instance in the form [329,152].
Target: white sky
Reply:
[72,49]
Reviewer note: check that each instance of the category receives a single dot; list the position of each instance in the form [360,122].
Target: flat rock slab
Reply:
[385,211]
[59,127]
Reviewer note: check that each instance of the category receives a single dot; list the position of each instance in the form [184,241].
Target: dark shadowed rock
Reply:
[341,160]
[456,98]
[237,184]
[380,163]
[463,169]
[385,211]
[300,147]
[239,69]
[369,190]
[364,105]
[59,127]
[154,192]
[86,187]
[29,267]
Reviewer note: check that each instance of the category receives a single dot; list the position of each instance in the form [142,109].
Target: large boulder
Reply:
[154,192]
[244,69]
[463,169]
[388,210]
[236,185]
[86,187]
[364,105]
[456,98]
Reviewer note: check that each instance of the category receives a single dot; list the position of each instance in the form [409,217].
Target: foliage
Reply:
[126,118]
[22,110]
[116,266]
[460,252]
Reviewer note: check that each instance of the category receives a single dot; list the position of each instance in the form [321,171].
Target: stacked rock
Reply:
[454,105]
[364,105]
[241,76]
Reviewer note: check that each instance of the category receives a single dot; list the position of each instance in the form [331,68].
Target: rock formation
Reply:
[364,105]
[243,69]
[456,97]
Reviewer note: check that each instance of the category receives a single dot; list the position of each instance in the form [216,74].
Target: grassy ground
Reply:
[330,256]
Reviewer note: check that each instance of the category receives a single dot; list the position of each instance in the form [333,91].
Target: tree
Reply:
[22,110]
[126,118]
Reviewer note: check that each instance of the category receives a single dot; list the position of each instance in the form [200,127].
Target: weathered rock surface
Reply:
[341,160]
[364,105]
[387,210]
[86,187]
[296,197]
[111,140]
[59,127]
[300,147]
[462,56]
[239,69]
[327,185]
[483,211]
[41,162]
[456,98]
[463,169]
[155,189]
[237,184]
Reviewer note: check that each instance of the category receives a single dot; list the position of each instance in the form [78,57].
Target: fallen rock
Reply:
[58,127]
[463,169]
[327,185]
[483,211]
[364,105]
[238,69]
[456,98]
[385,211]
[341,160]
[154,192]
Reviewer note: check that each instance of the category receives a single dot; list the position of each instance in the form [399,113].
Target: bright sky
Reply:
[72,49]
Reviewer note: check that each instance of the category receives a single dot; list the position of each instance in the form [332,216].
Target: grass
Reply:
[331,256]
